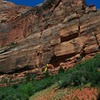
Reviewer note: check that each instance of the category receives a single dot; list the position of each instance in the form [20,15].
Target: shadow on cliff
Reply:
[25,68]
[57,60]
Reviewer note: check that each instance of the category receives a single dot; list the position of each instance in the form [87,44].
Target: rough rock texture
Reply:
[60,32]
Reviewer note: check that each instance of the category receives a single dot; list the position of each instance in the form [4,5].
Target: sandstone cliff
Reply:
[60,32]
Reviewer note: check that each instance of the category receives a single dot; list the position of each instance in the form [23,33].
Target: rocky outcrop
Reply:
[60,32]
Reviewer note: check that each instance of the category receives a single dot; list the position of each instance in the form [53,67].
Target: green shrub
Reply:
[81,74]
[46,74]
[30,77]
[10,94]
[61,70]
[26,89]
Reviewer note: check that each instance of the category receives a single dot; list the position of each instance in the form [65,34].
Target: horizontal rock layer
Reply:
[57,31]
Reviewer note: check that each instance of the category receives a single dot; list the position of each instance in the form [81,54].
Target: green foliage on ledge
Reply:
[86,73]
[82,73]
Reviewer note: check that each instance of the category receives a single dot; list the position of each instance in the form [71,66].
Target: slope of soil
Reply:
[72,93]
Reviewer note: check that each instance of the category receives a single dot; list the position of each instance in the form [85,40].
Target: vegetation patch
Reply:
[83,74]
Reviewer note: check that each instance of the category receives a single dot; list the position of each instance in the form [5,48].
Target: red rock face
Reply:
[9,13]
[57,31]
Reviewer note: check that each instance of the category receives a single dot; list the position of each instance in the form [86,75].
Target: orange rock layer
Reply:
[56,32]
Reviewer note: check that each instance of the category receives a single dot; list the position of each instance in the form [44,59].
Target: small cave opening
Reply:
[56,60]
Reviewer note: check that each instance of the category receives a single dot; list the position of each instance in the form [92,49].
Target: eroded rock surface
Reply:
[56,32]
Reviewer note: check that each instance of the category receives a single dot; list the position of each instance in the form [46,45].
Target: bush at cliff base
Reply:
[80,75]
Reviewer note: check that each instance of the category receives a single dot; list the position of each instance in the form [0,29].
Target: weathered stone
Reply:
[71,17]
[91,8]
[65,48]
[60,32]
